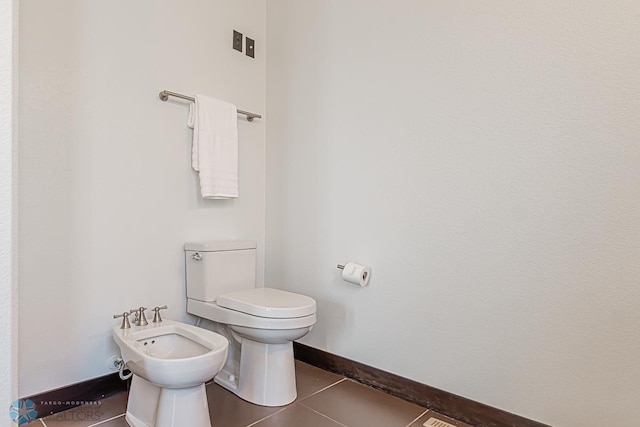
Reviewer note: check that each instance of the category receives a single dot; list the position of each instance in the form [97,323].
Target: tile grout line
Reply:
[107,420]
[40,419]
[417,418]
[323,389]
[264,418]
[293,403]
[323,415]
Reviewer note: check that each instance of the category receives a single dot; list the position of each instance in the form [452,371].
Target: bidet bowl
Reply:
[172,354]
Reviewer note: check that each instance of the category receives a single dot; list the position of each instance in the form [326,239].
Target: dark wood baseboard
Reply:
[85,392]
[457,407]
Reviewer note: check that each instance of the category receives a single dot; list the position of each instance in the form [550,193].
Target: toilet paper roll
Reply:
[356,274]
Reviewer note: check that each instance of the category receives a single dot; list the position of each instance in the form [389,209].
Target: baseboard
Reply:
[85,392]
[454,406]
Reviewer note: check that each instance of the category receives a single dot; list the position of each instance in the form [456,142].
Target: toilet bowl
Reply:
[170,362]
[259,322]
[264,322]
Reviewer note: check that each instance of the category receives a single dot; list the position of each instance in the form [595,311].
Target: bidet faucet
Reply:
[140,319]
[125,320]
[156,314]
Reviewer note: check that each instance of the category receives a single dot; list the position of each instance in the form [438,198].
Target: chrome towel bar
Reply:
[165,94]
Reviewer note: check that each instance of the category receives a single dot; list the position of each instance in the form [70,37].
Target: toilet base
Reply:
[267,374]
[152,406]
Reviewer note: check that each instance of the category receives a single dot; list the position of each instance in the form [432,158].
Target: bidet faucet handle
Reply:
[140,319]
[125,320]
[156,314]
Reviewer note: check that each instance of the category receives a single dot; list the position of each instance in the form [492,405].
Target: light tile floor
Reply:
[324,400]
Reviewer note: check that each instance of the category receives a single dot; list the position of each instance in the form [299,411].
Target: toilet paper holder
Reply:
[363,278]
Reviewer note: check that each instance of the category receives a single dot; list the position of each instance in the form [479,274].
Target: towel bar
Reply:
[165,94]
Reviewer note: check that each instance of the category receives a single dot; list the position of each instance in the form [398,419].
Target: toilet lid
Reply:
[268,302]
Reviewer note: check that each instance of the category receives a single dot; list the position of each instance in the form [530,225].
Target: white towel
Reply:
[215,146]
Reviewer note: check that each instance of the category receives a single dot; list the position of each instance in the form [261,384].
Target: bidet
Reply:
[170,362]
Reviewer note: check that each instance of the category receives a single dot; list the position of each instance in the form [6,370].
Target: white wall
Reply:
[107,194]
[8,202]
[483,158]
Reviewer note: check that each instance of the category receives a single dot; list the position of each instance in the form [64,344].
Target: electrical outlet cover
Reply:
[237,41]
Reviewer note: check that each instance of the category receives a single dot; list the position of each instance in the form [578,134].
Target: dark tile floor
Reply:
[324,400]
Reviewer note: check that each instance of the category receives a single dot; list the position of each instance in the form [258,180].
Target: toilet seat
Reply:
[268,302]
[213,311]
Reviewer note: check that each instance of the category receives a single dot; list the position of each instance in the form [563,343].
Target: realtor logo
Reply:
[23,411]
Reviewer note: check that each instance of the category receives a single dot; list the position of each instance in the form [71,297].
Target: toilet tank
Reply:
[217,267]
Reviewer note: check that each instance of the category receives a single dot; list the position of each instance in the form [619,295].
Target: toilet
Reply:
[261,323]
[170,362]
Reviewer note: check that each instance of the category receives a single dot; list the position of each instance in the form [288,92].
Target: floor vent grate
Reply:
[434,422]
